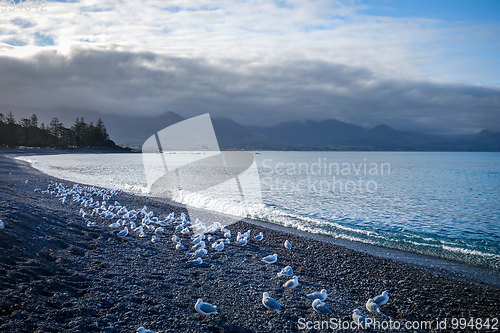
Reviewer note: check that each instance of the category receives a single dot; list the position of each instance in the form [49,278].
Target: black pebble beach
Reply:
[59,275]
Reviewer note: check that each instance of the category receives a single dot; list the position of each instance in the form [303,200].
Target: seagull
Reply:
[241,242]
[179,246]
[155,239]
[246,234]
[143,330]
[142,234]
[381,299]
[321,295]
[123,233]
[175,238]
[219,246]
[197,254]
[288,245]
[197,239]
[159,231]
[270,303]
[287,271]
[373,307]
[291,284]
[170,217]
[2,225]
[271,259]
[359,319]
[180,227]
[204,309]
[259,237]
[117,224]
[200,245]
[320,307]
[197,261]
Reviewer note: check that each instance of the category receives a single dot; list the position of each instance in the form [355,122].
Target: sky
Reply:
[425,66]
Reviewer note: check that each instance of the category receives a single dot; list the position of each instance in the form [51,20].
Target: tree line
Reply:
[26,132]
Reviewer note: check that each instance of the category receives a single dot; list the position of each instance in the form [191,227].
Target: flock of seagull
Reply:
[143,222]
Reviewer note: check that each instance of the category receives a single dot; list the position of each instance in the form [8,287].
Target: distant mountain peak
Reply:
[383,128]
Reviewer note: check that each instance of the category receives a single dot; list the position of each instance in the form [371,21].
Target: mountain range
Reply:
[329,134]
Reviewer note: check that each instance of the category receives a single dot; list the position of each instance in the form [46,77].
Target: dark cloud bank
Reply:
[147,84]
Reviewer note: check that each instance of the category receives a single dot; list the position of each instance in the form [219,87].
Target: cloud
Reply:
[145,83]
[257,62]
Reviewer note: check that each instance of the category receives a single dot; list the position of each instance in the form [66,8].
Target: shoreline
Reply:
[62,275]
[451,268]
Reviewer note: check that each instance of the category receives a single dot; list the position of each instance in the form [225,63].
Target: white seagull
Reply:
[241,242]
[219,246]
[291,284]
[288,245]
[321,295]
[2,225]
[287,271]
[155,239]
[373,307]
[197,261]
[320,307]
[359,319]
[259,237]
[270,303]
[204,309]
[179,246]
[143,330]
[200,245]
[117,224]
[123,233]
[197,254]
[381,299]
[271,259]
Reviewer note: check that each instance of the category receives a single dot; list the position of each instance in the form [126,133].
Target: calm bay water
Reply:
[441,204]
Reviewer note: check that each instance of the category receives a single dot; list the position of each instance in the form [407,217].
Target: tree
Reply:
[34,120]
[55,129]
[80,131]
[2,129]
[24,133]
[10,119]
[102,134]
[10,132]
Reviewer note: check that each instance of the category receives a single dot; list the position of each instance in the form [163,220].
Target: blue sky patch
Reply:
[23,23]
[43,40]
[15,42]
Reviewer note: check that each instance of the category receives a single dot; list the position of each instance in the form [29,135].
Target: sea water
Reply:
[440,204]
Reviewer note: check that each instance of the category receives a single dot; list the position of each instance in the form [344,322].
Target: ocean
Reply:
[442,204]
